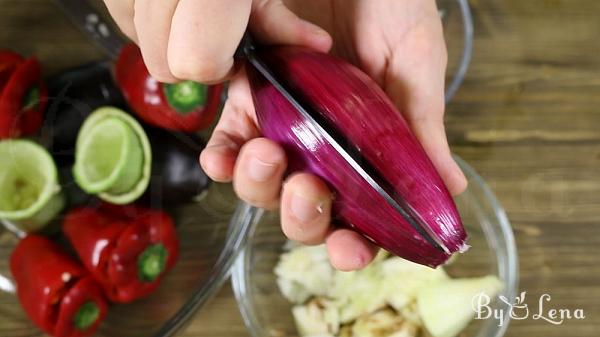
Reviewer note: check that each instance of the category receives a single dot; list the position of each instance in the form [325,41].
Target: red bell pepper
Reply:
[185,106]
[57,293]
[128,249]
[8,63]
[23,96]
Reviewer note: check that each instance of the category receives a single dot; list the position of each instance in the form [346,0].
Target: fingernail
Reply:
[304,209]
[261,171]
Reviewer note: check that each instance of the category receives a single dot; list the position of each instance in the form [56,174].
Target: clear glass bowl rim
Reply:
[467,52]
[242,221]
[508,266]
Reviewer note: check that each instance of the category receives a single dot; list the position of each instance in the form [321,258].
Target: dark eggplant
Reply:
[73,95]
[74,194]
[176,174]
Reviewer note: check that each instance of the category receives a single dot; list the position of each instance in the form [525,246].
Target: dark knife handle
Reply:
[246,47]
[93,24]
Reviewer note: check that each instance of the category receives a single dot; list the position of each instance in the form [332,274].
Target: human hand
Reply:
[196,39]
[398,43]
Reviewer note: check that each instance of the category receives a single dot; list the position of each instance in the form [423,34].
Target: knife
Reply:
[248,50]
[92,23]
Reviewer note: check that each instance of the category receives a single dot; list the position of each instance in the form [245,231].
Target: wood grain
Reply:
[526,118]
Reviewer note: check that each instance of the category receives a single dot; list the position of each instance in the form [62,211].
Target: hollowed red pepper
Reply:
[128,249]
[56,292]
[8,63]
[185,106]
[23,96]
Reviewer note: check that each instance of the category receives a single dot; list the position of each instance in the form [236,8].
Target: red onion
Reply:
[353,106]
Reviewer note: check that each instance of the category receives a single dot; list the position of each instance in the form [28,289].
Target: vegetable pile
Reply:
[391,297]
[90,187]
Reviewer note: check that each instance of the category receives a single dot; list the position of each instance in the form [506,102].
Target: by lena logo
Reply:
[519,310]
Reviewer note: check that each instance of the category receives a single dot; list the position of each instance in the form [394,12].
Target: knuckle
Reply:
[266,151]
[259,6]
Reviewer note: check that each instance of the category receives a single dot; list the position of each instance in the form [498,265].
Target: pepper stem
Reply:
[185,97]
[151,262]
[31,99]
[86,316]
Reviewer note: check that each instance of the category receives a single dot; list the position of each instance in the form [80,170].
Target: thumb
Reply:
[271,22]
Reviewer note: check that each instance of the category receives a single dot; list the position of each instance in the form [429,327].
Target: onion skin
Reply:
[354,106]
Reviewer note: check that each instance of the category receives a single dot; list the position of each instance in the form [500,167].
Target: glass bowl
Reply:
[267,313]
[458,33]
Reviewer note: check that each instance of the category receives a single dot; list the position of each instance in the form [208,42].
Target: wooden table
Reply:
[526,118]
